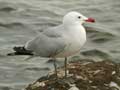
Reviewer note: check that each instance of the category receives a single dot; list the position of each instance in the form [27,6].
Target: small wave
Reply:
[101,40]
[7,9]
[96,52]
[102,37]
[7,6]
[99,36]
[37,68]
[5,87]
[10,25]
[49,24]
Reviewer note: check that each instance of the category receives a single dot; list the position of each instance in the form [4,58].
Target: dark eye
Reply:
[79,17]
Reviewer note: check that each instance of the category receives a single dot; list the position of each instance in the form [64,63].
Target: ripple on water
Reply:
[96,53]
[11,25]
[102,37]
[7,7]
[97,36]
[37,68]
[5,88]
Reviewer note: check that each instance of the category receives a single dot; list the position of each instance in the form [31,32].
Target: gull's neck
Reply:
[74,27]
[77,32]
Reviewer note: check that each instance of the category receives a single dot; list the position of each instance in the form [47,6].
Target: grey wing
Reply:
[54,31]
[46,44]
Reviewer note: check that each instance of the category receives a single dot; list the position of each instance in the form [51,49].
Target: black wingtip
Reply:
[11,54]
[20,51]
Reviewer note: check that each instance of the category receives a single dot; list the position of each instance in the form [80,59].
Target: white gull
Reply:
[58,42]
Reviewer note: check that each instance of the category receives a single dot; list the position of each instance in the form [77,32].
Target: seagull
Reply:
[60,41]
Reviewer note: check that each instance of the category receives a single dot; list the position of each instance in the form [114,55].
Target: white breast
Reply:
[75,39]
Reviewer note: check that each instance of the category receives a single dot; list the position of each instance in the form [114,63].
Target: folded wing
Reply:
[47,44]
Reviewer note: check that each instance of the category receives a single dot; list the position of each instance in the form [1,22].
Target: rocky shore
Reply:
[82,75]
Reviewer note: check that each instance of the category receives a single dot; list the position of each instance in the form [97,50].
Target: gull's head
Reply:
[73,18]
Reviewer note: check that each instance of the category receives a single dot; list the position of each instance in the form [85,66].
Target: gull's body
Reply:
[60,41]
[57,42]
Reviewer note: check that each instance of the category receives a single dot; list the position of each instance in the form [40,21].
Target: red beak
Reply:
[90,20]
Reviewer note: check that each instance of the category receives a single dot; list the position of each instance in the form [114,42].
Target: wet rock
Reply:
[82,75]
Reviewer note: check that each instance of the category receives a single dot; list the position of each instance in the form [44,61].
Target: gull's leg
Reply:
[65,64]
[55,67]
